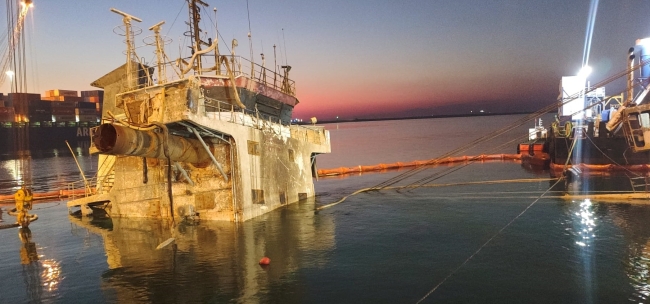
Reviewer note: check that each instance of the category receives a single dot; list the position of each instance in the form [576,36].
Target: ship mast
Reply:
[195,30]
[130,49]
[160,52]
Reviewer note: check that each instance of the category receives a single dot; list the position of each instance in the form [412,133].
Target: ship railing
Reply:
[226,111]
[276,78]
[92,186]
[88,186]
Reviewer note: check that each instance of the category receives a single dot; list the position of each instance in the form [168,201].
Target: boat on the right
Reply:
[595,133]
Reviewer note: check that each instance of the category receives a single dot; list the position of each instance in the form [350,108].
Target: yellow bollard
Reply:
[23,199]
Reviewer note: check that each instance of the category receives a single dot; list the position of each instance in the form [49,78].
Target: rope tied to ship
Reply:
[486,243]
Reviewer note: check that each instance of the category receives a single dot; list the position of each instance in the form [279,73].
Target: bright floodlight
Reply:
[10,73]
[644,42]
[584,71]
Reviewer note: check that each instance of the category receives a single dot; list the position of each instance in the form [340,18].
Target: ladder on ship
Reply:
[640,184]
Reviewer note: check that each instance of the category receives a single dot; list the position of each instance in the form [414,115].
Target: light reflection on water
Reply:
[587,223]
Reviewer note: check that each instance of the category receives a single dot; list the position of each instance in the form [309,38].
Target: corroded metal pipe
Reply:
[118,140]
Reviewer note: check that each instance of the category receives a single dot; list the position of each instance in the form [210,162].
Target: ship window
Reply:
[253,148]
[258,196]
[644,120]
[292,156]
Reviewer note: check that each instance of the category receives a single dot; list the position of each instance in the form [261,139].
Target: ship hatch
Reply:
[636,127]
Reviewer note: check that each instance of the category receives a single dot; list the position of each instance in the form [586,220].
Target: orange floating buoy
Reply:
[265,261]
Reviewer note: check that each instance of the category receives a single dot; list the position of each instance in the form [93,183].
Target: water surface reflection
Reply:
[211,261]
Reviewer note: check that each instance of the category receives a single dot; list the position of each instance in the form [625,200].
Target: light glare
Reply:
[584,71]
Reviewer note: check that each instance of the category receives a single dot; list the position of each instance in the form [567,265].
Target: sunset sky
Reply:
[362,59]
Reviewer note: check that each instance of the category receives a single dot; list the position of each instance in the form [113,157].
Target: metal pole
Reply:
[214,160]
[78,166]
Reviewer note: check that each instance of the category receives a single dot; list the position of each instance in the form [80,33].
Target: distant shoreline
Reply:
[412,117]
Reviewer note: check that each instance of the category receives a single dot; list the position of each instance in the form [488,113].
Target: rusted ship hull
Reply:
[217,147]
[253,163]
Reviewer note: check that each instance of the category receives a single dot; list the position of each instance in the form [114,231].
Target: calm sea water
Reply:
[379,247]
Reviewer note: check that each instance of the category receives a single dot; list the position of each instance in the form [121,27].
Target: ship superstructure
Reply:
[216,143]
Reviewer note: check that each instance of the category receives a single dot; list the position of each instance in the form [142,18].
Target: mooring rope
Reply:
[448,171]
[500,230]
[492,182]
[612,160]
[485,244]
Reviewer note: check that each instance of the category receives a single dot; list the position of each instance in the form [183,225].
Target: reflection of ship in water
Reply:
[222,257]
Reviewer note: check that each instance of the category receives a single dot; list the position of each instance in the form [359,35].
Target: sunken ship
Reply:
[216,143]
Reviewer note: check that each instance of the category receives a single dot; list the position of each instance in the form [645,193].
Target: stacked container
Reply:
[62,95]
[7,114]
[63,111]
[86,111]
[27,107]
[96,97]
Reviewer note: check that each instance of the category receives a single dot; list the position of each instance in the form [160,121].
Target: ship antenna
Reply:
[130,50]
[160,52]
[216,41]
[285,48]
[275,64]
[250,42]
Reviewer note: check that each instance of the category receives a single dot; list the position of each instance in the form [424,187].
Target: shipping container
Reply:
[63,98]
[63,104]
[91,99]
[39,110]
[63,111]
[53,93]
[7,114]
[7,118]
[93,93]
[23,96]
[86,105]
[88,117]
[72,98]
[63,117]
[86,111]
